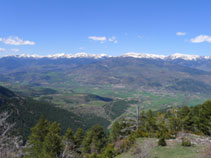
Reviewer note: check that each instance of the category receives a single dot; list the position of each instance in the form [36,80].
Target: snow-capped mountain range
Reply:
[99,56]
[177,72]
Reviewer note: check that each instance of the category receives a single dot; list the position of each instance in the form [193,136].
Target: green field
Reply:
[93,100]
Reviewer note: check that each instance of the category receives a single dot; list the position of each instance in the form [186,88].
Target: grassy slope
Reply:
[171,151]
[176,151]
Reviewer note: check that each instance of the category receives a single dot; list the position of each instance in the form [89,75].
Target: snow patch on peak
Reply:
[78,55]
[143,55]
[163,57]
[62,55]
[207,57]
[183,56]
[85,55]
[55,56]
[25,56]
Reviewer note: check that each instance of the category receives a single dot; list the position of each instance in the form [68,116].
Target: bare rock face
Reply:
[195,139]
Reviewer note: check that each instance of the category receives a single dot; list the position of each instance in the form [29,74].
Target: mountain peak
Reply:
[143,55]
[25,56]
[183,56]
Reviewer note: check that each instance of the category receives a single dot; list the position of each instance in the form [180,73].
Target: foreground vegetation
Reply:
[46,140]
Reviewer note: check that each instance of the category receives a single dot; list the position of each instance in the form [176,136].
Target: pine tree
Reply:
[115,131]
[78,137]
[68,141]
[52,145]
[87,142]
[205,117]
[151,122]
[94,140]
[175,123]
[69,136]
[44,141]
[183,112]
[36,139]
[142,122]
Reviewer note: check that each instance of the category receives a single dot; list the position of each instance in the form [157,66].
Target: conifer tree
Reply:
[115,131]
[78,137]
[175,123]
[69,136]
[44,141]
[36,139]
[52,146]
[142,121]
[205,118]
[68,141]
[94,140]
[151,122]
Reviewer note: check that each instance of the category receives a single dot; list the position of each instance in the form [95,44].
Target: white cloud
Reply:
[201,38]
[113,39]
[139,36]
[181,33]
[15,50]
[103,39]
[95,38]
[16,41]
[3,50]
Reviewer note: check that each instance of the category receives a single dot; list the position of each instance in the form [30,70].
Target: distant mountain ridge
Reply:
[183,73]
[130,54]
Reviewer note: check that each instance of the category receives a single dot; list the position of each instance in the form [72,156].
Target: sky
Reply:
[112,27]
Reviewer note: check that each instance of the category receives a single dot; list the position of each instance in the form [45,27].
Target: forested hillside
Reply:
[97,143]
[19,114]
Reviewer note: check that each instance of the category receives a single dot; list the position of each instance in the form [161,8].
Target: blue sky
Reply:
[112,27]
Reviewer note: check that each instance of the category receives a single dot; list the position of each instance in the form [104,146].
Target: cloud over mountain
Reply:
[181,33]
[103,39]
[2,50]
[95,38]
[201,39]
[16,41]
